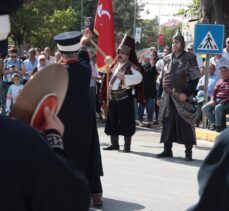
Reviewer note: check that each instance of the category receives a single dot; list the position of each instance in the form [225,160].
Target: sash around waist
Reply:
[120,94]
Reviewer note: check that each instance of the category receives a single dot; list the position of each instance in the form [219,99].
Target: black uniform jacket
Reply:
[81,142]
[34,176]
[214,178]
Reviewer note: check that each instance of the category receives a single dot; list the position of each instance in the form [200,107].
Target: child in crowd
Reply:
[13,91]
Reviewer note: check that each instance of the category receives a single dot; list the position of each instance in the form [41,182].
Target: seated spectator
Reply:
[30,64]
[41,62]
[218,60]
[219,101]
[13,91]
[213,78]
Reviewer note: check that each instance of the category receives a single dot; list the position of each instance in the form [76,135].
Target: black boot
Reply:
[166,153]
[188,152]
[218,129]
[127,144]
[114,144]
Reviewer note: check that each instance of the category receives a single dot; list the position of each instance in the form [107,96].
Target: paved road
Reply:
[140,181]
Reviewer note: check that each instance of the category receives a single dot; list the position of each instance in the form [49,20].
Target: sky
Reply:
[163,8]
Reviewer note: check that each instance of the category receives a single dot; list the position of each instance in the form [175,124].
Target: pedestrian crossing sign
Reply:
[209,38]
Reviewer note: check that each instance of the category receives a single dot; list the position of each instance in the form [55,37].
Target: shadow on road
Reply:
[178,160]
[117,205]
[203,148]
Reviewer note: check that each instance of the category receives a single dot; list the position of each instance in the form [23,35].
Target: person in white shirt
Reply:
[226,49]
[50,59]
[121,115]
[13,91]
[200,62]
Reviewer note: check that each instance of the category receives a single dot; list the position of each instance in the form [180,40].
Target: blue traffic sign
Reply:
[209,38]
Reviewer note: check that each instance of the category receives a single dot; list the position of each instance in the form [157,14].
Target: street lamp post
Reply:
[81,2]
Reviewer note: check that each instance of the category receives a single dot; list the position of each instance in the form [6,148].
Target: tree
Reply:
[150,29]
[37,22]
[168,34]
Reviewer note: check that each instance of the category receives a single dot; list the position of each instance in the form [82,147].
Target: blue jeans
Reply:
[216,118]
[149,110]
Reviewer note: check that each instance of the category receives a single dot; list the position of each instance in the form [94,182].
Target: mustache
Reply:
[119,57]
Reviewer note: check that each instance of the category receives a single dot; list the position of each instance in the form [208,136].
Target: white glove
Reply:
[4,26]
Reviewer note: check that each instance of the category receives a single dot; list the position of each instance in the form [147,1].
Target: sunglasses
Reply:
[42,60]
[13,56]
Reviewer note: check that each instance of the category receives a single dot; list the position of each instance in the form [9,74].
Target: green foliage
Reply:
[37,22]
[168,34]
[191,10]
[150,29]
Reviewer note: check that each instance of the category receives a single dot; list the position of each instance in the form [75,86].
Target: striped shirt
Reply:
[221,90]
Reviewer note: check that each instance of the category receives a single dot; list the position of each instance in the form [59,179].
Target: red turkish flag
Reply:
[104,28]
[161,39]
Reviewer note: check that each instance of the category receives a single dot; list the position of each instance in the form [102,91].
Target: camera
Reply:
[147,56]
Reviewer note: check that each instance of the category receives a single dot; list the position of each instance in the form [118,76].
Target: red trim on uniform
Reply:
[72,61]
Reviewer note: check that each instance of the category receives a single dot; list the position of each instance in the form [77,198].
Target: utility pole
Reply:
[135,14]
[81,2]
[159,27]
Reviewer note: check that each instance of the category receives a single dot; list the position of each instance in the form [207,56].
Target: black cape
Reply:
[213,178]
[34,176]
[81,142]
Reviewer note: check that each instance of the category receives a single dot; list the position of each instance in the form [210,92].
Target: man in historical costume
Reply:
[213,177]
[121,117]
[35,173]
[178,81]
[81,141]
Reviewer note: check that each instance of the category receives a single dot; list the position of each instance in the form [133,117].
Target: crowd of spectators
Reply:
[16,70]
[217,91]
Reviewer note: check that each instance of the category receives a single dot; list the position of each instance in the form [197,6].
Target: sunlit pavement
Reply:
[140,181]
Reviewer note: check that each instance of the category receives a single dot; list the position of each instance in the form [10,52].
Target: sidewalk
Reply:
[205,134]
[201,133]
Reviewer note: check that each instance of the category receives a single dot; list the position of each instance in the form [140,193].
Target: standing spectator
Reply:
[213,78]
[50,59]
[30,64]
[226,50]
[13,91]
[58,58]
[1,81]
[219,101]
[94,76]
[160,62]
[150,92]
[10,65]
[81,141]
[179,79]
[41,62]
[198,58]
[38,52]
[120,117]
